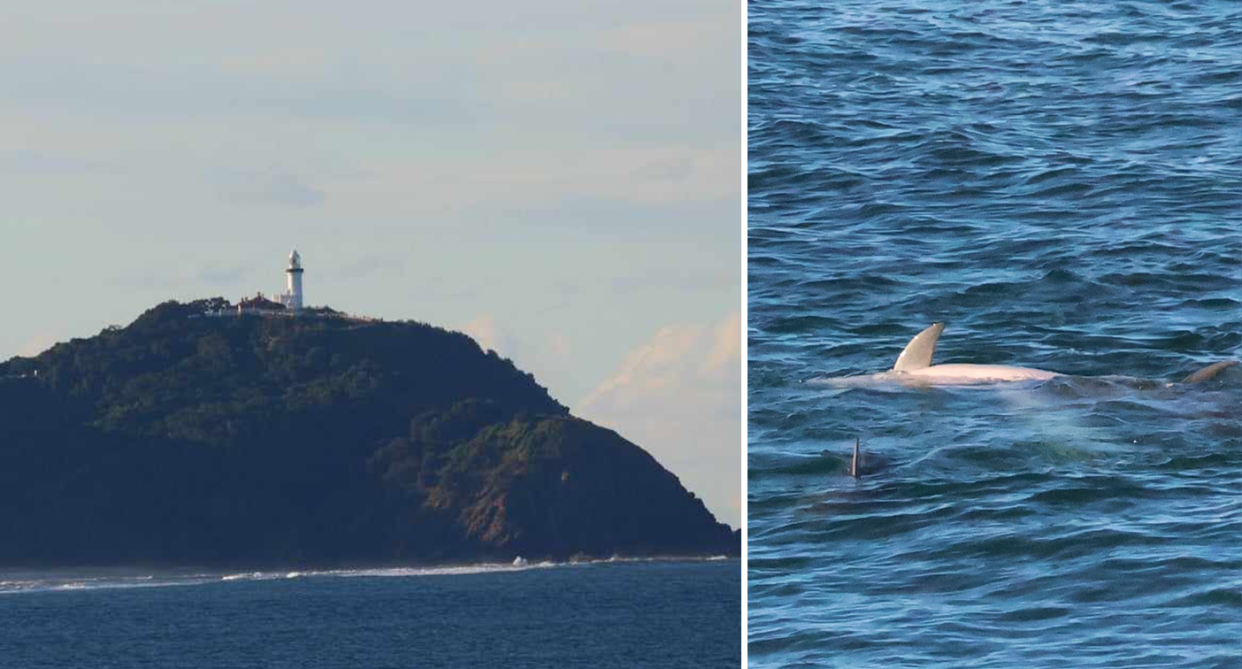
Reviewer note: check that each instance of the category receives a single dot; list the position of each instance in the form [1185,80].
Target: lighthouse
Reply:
[292,299]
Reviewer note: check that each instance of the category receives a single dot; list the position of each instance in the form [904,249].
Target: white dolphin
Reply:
[914,367]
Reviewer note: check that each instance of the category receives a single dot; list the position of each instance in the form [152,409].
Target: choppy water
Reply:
[1061,183]
[621,614]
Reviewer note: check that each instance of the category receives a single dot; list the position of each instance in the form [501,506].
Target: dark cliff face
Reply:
[185,439]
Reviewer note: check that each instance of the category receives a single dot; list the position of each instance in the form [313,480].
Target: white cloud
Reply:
[549,355]
[492,336]
[36,346]
[678,396]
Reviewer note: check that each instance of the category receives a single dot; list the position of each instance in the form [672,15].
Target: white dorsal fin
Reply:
[1208,373]
[918,353]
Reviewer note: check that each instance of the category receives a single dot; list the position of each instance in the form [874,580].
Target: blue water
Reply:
[1060,183]
[626,614]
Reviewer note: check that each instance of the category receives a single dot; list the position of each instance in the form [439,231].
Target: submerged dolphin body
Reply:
[914,366]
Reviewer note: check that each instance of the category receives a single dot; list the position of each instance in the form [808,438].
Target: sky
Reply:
[560,179]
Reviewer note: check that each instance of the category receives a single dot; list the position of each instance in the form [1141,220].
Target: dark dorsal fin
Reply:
[918,353]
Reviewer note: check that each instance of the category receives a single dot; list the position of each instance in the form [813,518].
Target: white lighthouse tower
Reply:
[292,298]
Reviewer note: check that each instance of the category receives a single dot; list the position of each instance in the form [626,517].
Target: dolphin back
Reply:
[918,353]
[1208,373]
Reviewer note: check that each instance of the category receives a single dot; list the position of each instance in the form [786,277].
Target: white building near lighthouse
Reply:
[287,303]
[292,297]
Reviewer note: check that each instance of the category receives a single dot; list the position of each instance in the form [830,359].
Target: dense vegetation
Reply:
[192,439]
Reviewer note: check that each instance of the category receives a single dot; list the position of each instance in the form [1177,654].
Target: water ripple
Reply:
[1059,182]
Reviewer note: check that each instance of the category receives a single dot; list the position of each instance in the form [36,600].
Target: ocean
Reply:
[1060,183]
[628,613]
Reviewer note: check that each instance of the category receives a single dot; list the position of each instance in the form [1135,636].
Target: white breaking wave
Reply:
[254,575]
[58,583]
[519,564]
[31,582]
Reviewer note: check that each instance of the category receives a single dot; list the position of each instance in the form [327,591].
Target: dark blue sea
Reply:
[1061,184]
[665,613]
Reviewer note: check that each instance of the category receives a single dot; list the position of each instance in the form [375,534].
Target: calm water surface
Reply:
[1061,183]
[627,614]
